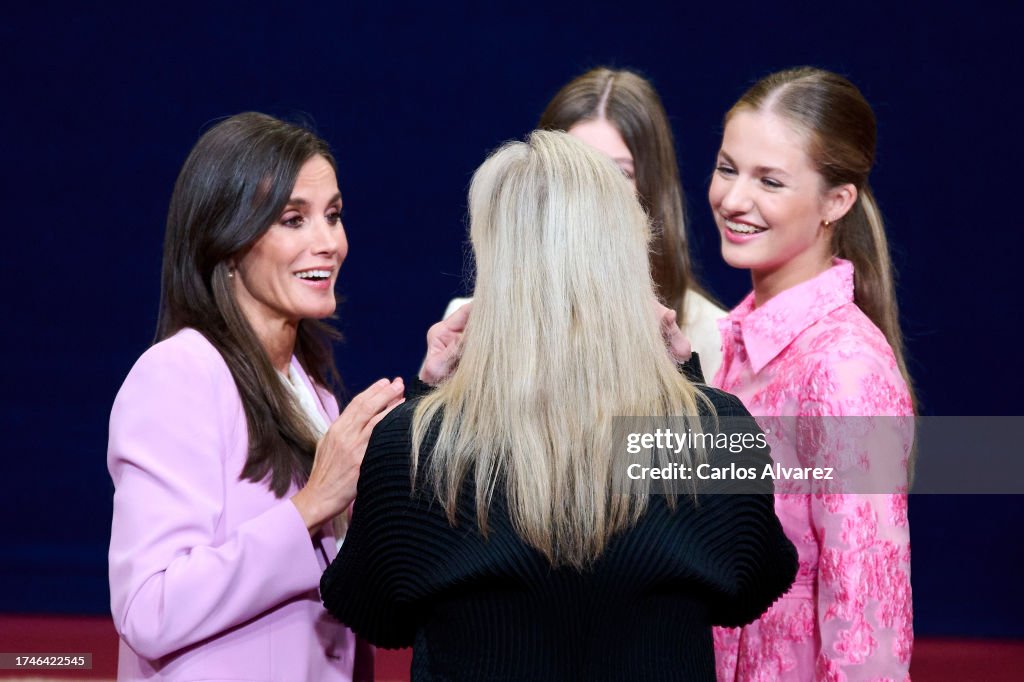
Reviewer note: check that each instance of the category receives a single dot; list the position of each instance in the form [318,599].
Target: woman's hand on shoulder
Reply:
[339,454]
[444,346]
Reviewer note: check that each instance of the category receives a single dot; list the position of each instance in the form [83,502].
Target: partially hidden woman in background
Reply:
[818,340]
[619,113]
[489,533]
[227,452]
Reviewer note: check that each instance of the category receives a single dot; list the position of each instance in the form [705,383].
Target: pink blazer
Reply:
[211,577]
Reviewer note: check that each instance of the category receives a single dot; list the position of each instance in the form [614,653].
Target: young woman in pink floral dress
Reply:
[818,340]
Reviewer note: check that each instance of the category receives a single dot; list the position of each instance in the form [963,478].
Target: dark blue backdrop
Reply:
[101,107]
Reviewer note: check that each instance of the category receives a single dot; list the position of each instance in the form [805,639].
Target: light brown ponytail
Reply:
[841,143]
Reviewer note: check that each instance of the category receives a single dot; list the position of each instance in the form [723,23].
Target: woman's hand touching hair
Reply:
[678,345]
[444,346]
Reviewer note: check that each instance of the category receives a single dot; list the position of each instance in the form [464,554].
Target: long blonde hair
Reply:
[562,338]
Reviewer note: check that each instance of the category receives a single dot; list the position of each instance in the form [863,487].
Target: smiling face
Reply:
[605,138]
[771,204]
[289,273]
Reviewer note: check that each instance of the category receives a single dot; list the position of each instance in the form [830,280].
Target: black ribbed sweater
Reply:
[494,609]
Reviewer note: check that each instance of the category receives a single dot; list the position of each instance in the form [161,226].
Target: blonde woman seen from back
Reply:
[490,532]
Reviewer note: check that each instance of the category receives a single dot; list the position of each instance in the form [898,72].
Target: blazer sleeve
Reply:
[177,576]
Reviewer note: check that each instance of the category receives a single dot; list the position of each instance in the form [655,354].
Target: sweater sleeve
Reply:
[756,560]
[692,369]
[370,586]
[176,576]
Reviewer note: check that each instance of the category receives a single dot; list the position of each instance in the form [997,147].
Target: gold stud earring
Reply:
[826,223]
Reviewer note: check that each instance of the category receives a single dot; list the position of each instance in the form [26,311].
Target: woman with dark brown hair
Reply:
[815,353]
[227,452]
[619,113]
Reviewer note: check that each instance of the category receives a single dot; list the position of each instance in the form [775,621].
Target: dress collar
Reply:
[767,330]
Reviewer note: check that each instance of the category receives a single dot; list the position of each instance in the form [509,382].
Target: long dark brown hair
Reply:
[841,132]
[631,104]
[234,185]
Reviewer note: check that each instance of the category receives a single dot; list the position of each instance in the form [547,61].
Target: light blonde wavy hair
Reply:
[561,339]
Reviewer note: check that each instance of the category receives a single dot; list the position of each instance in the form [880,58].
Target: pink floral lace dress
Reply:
[810,357]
